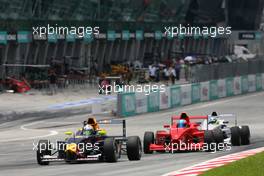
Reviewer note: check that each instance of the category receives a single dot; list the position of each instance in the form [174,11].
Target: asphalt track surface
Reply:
[18,158]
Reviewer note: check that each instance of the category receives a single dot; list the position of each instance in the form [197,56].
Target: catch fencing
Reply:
[200,73]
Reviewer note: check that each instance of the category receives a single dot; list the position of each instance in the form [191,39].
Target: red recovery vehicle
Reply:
[19,86]
[182,135]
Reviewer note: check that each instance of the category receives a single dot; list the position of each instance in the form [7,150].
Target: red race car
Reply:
[183,135]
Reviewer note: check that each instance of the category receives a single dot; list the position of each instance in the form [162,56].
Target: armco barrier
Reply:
[230,87]
[186,94]
[135,103]
[252,83]
[126,104]
[237,85]
[164,99]
[175,99]
[258,82]
[141,103]
[221,88]
[196,93]
[153,101]
[262,80]
[213,90]
[205,94]
[244,84]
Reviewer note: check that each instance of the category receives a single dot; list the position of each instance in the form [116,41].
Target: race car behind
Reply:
[235,135]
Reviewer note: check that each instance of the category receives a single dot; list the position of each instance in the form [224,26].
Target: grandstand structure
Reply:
[143,16]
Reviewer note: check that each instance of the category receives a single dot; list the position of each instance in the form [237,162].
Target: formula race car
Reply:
[182,135]
[90,143]
[236,135]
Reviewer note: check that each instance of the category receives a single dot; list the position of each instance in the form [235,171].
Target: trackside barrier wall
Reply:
[179,95]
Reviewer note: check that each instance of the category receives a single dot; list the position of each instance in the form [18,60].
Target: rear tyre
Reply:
[208,140]
[148,139]
[235,136]
[43,149]
[134,148]
[219,137]
[245,135]
[111,150]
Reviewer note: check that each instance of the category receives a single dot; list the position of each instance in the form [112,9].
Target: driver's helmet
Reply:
[88,130]
[213,119]
[182,124]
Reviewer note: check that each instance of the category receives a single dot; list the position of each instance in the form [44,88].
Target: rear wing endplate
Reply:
[115,121]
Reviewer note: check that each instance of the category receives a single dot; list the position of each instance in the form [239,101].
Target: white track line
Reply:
[25,128]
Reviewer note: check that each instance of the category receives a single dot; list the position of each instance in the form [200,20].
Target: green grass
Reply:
[250,166]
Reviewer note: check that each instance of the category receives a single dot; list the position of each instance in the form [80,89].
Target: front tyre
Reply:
[111,150]
[134,148]
[43,149]
[235,136]
[148,139]
[70,157]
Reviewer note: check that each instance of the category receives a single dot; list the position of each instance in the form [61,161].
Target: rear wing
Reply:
[224,116]
[188,118]
[115,121]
